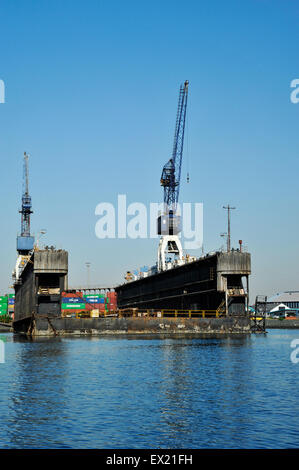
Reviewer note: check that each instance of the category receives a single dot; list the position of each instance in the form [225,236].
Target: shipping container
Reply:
[72,300]
[77,306]
[72,294]
[92,300]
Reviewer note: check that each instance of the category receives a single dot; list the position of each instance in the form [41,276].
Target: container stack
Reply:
[94,305]
[72,304]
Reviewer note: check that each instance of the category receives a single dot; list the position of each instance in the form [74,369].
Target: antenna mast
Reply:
[228,208]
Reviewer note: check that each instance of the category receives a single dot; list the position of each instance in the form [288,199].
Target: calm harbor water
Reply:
[133,392]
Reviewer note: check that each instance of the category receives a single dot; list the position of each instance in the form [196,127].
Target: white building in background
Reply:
[284,300]
[279,307]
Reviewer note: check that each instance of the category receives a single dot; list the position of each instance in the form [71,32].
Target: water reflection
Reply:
[196,375]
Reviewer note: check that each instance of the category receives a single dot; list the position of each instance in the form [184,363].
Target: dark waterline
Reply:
[133,392]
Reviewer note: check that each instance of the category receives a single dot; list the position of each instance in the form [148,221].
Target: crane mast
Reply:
[26,201]
[25,241]
[169,222]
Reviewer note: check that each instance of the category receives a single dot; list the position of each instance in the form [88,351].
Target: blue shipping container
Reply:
[68,300]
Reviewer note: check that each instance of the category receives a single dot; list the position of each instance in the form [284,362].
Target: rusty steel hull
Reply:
[38,327]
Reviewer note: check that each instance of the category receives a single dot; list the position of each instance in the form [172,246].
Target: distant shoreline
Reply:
[282,324]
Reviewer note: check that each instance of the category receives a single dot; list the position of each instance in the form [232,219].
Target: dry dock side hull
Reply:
[38,291]
[221,278]
[133,325]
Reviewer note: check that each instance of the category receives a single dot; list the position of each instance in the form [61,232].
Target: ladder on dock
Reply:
[259,317]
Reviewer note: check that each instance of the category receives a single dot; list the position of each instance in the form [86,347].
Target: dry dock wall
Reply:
[119,326]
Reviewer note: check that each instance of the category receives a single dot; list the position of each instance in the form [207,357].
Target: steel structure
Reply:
[169,222]
[259,317]
[228,208]
[171,174]
[26,201]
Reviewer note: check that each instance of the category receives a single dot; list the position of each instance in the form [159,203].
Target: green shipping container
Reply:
[11,296]
[73,306]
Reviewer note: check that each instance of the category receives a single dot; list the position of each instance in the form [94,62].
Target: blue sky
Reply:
[91,95]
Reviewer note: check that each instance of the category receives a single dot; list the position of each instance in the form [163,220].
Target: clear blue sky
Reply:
[91,95]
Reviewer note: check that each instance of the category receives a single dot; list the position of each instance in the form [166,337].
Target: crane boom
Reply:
[171,174]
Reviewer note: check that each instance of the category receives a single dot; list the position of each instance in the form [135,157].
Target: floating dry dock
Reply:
[43,278]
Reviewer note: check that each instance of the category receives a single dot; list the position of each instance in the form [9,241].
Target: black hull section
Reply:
[205,284]
[38,291]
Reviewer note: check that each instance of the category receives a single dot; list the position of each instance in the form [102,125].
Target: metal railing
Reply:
[156,313]
[170,313]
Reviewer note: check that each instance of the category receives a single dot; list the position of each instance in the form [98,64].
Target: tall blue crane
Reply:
[25,242]
[171,174]
[26,201]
